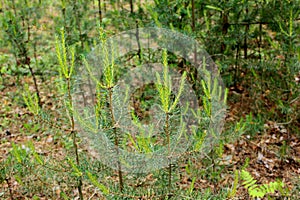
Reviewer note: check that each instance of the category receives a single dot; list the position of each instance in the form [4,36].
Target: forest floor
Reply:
[272,153]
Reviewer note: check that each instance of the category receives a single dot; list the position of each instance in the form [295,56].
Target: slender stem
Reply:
[14,7]
[73,132]
[34,81]
[260,58]
[25,59]
[28,30]
[260,41]
[100,11]
[170,174]
[225,27]
[193,15]
[167,131]
[214,170]
[236,65]
[138,39]
[77,19]
[116,139]
[131,6]
[193,29]
[71,103]
[63,10]
[245,38]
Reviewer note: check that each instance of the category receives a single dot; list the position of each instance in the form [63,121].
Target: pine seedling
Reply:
[109,85]
[31,101]
[164,88]
[66,69]
[17,26]
[105,87]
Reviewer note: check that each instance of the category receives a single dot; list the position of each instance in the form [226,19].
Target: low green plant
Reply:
[95,182]
[260,190]
[233,191]
[31,101]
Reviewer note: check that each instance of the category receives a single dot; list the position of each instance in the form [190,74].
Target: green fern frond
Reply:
[255,190]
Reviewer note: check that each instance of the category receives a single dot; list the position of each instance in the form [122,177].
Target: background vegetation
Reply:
[255,44]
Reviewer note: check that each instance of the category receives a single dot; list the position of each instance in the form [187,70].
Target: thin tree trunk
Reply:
[100,11]
[131,6]
[225,26]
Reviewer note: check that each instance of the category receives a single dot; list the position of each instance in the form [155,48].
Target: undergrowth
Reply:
[45,46]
